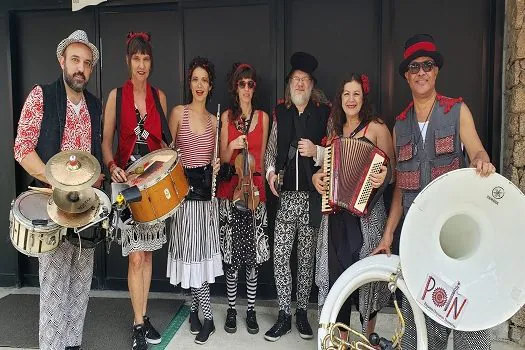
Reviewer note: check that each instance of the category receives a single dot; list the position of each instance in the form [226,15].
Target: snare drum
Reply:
[95,232]
[160,178]
[32,231]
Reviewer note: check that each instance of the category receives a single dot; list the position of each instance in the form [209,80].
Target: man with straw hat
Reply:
[58,117]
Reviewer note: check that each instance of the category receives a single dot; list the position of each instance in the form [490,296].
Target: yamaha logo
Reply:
[498,192]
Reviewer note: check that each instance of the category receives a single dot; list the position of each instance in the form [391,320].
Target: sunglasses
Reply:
[242,84]
[414,67]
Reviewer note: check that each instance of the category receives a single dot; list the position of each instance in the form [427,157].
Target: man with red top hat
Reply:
[298,128]
[429,137]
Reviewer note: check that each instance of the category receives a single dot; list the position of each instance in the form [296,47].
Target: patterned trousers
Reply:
[438,334]
[292,217]
[65,281]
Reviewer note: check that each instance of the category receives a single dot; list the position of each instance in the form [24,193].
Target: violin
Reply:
[246,195]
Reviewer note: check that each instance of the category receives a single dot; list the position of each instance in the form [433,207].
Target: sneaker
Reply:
[139,337]
[281,327]
[251,322]
[195,323]
[208,328]
[301,320]
[152,336]
[230,326]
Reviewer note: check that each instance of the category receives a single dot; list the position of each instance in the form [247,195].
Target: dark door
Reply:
[345,35]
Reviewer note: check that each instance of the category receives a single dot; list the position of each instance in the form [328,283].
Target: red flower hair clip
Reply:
[143,35]
[365,83]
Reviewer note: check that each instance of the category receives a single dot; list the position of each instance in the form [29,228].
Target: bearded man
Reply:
[62,116]
[299,125]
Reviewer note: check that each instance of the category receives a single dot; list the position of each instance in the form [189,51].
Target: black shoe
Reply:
[251,322]
[139,337]
[73,348]
[208,328]
[152,336]
[282,327]
[230,326]
[301,320]
[195,323]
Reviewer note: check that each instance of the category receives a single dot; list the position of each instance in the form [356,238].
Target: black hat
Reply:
[304,62]
[420,45]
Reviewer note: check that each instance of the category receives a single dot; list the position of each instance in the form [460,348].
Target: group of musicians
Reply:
[208,239]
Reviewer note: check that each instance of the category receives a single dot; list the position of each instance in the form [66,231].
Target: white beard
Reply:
[300,99]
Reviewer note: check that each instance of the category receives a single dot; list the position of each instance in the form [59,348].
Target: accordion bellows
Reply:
[348,164]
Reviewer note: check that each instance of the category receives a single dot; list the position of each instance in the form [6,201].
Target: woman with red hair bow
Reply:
[344,238]
[141,112]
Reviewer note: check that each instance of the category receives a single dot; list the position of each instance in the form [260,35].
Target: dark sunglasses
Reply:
[242,84]
[414,67]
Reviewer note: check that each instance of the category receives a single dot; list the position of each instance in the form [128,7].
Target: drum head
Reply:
[32,205]
[467,229]
[151,168]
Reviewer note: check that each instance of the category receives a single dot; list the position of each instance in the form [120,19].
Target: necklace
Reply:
[424,128]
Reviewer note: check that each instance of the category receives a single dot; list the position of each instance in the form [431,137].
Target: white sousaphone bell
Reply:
[461,251]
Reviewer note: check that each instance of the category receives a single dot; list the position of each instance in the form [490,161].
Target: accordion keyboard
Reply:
[327,169]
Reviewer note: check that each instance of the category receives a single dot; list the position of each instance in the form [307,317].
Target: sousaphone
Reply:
[461,242]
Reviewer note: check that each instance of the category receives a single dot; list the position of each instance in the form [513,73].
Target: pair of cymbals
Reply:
[74,202]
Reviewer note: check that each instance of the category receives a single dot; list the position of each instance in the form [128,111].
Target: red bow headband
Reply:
[365,84]
[132,35]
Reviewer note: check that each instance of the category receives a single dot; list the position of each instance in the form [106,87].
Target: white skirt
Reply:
[194,255]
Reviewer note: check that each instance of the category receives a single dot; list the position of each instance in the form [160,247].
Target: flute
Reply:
[215,152]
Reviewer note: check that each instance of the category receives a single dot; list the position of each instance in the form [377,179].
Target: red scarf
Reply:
[128,122]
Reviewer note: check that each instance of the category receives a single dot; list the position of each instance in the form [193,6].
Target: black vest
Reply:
[54,120]
[316,118]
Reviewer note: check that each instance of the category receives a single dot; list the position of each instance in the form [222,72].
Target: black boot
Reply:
[195,323]
[230,326]
[301,320]
[251,322]
[281,327]
[208,328]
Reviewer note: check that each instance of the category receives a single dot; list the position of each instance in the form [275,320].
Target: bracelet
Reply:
[110,164]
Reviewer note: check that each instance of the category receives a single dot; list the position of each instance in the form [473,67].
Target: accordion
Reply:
[348,164]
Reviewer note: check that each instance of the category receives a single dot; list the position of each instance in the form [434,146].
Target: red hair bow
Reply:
[132,35]
[365,83]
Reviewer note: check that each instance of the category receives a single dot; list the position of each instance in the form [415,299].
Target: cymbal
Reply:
[72,170]
[70,220]
[75,201]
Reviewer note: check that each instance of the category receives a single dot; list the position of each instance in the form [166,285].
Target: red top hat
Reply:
[420,45]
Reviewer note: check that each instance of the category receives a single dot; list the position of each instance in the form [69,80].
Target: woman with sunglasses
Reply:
[344,238]
[244,242]
[194,257]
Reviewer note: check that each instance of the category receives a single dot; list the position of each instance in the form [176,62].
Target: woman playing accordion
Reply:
[345,238]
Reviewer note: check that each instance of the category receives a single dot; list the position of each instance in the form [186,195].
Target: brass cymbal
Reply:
[72,170]
[70,220]
[75,201]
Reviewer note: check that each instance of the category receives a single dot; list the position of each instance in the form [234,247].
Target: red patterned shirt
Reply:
[77,130]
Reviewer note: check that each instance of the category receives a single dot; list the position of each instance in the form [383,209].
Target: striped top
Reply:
[196,149]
